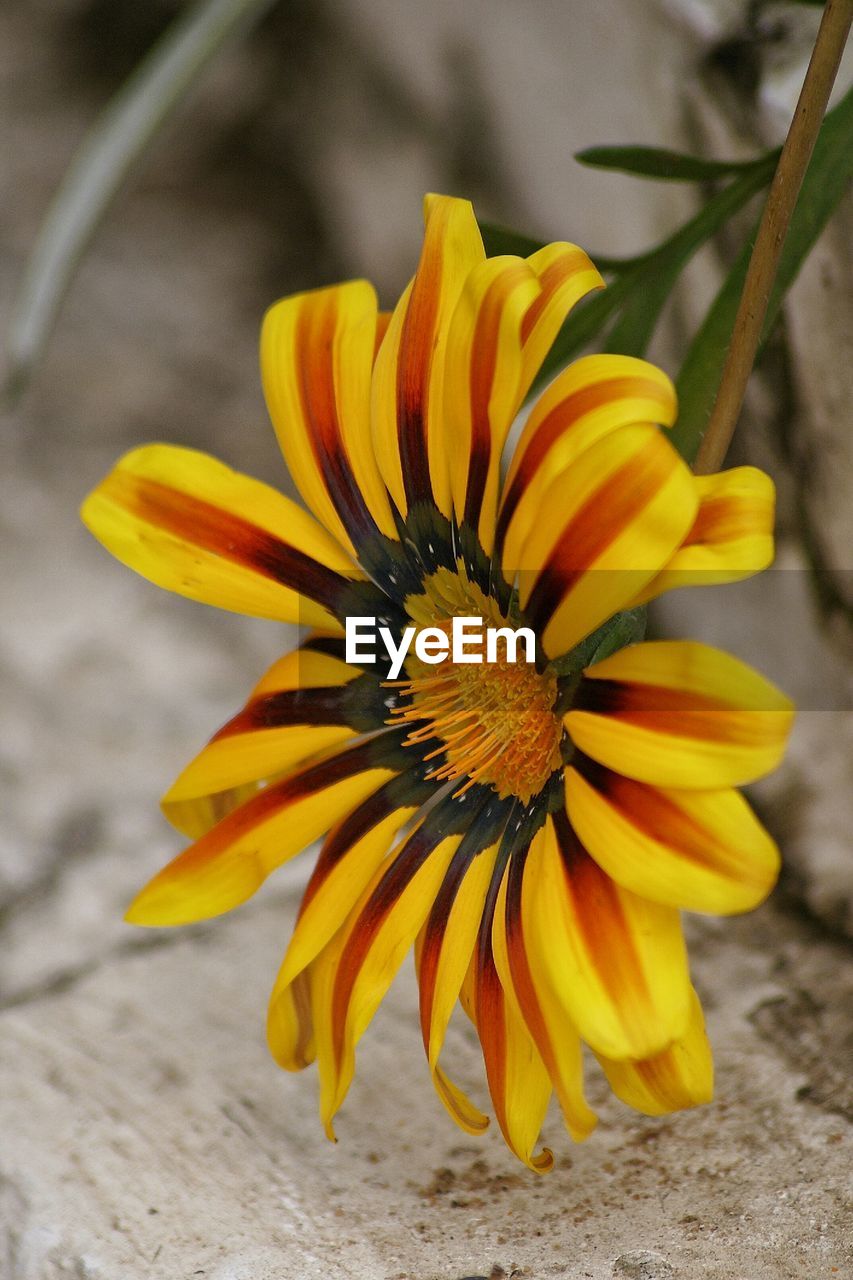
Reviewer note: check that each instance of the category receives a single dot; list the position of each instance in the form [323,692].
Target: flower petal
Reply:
[307,702]
[731,537]
[554,1035]
[372,944]
[565,275]
[697,850]
[591,398]
[316,363]
[348,860]
[232,860]
[603,529]
[680,714]
[194,526]
[679,1077]
[408,396]
[483,386]
[519,1084]
[614,961]
[443,955]
[290,1024]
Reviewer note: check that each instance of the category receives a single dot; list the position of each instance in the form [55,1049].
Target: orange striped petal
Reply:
[317,354]
[697,850]
[370,949]
[615,962]
[680,714]
[194,526]
[731,537]
[591,398]
[297,710]
[443,955]
[231,861]
[348,861]
[565,275]
[679,1077]
[519,1084]
[603,529]
[484,384]
[408,383]
[554,1035]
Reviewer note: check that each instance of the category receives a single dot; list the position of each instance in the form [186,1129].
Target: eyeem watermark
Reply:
[469,641]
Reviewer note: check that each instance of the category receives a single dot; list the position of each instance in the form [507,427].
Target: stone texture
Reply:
[145,1132]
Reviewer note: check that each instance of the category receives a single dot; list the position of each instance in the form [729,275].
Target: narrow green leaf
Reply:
[827,179]
[119,137]
[641,285]
[660,164]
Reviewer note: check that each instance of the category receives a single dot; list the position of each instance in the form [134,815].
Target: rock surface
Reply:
[145,1131]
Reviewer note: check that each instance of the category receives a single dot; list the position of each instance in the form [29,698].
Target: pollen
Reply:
[495,720]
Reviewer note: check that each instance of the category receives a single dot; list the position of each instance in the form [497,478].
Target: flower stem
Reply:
[781,200]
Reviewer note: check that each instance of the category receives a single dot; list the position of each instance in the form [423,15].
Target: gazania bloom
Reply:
[531,829]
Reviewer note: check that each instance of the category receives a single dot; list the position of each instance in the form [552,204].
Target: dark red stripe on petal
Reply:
[314,706]
[315,364]
[221,533]
[370,754]
[560,420]
[417,342]
[482,373]
[489,1008]
[722,519]
[680,713]
[655,815]
[596,525]
[399,792]
[434,935]
[385,896]
[605,931]
[522,978]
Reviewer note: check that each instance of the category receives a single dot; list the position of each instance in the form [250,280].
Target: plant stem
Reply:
[793,162]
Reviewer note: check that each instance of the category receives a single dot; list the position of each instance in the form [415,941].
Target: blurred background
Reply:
[301,158]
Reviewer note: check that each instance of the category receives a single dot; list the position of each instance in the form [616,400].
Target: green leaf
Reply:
[500,240]
[826,181]
[644,284]
[107,155]
[660,164]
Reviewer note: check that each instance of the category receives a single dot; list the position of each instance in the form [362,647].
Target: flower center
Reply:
[495,719]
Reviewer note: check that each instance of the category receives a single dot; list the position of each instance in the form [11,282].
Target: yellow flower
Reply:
[532,829]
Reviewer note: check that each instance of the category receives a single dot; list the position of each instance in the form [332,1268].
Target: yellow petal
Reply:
[565,275]
[194,526]
[680,714]
[408,383]
[731,537]
[227,864]
[298,710]
[347,864]
[604,528]
[290,1024]
[697,850]
[317,354]
[370,949]
[554,1035]
[614,961]
[483,387]
[679,1077]
[590,399]
[443,956]
[519,1084]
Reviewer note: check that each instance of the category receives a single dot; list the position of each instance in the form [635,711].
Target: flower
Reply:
[533,830]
